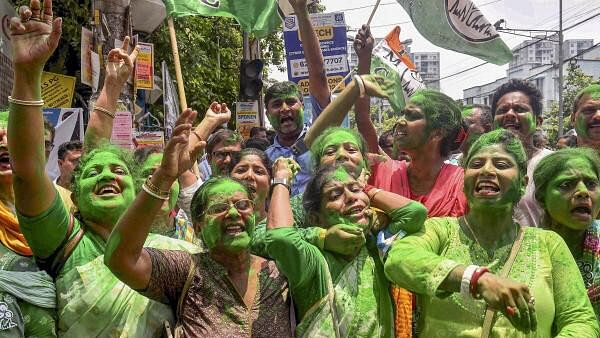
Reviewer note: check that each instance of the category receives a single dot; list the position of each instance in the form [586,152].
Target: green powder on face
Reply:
[581,126]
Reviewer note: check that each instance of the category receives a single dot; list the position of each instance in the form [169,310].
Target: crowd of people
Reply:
[458,222]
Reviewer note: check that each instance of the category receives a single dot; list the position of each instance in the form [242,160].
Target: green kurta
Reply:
[422,261]
[92,302]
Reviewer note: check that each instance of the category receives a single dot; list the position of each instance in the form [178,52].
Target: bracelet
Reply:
[196,133]
[474,279]
[105,111]
[377,191]
[155,191]
[361,85]
[31,103]
[465,282]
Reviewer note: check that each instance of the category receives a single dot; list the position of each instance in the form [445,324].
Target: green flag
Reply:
[458,25]
[391,61]
[255,16]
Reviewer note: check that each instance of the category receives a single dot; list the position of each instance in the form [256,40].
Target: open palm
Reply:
[34,34]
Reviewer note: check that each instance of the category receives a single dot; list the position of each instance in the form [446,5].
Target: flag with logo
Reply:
[391,61]
[254,16]
[458,25]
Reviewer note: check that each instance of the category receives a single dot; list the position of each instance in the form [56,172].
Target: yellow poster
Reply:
[57,90]
[144,66]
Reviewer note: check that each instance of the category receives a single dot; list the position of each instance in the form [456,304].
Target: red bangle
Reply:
[474,279]
[368,188]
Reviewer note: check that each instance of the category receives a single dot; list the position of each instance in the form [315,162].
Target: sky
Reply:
[521,14]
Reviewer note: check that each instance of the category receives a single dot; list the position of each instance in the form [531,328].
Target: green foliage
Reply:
[575,80]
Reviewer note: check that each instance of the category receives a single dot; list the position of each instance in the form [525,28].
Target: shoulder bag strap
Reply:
[178,332]
[490,313]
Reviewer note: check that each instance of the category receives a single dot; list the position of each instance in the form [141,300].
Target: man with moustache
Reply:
[586,117]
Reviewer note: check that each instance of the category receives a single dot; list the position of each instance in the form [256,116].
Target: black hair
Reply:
[311,201]
[383,138]
[256,130]
[237,157]
[523,86]
[68,146]
[282,88]
[203,195]
[256,143]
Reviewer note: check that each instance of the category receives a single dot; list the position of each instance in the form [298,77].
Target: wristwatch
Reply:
[279,180]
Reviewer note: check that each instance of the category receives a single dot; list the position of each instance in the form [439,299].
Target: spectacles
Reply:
[221,155]
[243,205]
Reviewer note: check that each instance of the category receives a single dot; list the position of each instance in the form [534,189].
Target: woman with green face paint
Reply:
[337,295]
[485,275]
[568,188]
[91,301]
[225,292]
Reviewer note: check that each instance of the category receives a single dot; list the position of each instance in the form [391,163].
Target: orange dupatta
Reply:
[10,232]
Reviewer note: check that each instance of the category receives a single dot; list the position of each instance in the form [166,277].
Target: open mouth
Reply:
[234,229]
[487,188]
[355,211]
[285,120]
[5,161]
[595,127]
[108,190]
[511,125]
[583,212]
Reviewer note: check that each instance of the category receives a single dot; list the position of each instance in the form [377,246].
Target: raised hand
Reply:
[363,43]
[298,4]
[177,157]
[120,64]
[378,86]
[34,35]
[218,113]
[284,167]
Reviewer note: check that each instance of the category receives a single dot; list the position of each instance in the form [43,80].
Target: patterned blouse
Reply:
[212,307]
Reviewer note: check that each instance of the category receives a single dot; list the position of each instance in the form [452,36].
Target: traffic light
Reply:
[251,79]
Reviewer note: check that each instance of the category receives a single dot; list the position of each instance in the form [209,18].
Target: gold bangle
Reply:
[376,191]
[105,111]
[196,133]
[31,103]
[163,194]
[151,193]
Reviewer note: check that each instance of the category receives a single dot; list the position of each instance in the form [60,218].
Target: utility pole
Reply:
[560,69]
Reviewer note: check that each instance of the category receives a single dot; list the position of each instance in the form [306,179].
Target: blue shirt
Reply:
[276,150]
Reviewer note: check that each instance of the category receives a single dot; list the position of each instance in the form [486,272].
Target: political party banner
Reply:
[254,16]
[246,117]
[144,66]
[86,56]
[458,25]
[57,90]
[170,100]
[391,61]
[149,139]
[68,126]
[122,132]
[331,31]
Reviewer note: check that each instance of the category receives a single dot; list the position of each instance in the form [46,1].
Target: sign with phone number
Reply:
[331,31]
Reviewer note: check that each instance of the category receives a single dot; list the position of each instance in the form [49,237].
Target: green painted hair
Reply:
[593,88]
[123,154]
[282,88]
[509,141]
[203,195]
[441,112]
[319,144]
[553,164]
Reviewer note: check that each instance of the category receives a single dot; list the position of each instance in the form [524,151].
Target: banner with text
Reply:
[331,31]
[246,117]
[122,132]
[144,66]
[57,90]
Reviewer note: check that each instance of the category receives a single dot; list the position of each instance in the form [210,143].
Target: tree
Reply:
[575,81]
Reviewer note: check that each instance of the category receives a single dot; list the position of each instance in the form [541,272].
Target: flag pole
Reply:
[351,72]
[178,76]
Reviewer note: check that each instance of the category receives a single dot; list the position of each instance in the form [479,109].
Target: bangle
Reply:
[31,103]
[465,282]
[368,188]
[375,192]
[196,134]
[321,239]
[474,279]
[361,85]
[105,111]
[155,191]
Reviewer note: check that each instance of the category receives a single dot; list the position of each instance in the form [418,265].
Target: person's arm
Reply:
[33,43]
[125,255]
[118,69]
[317,77]
[336,111]
[574,315]
[363,46]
